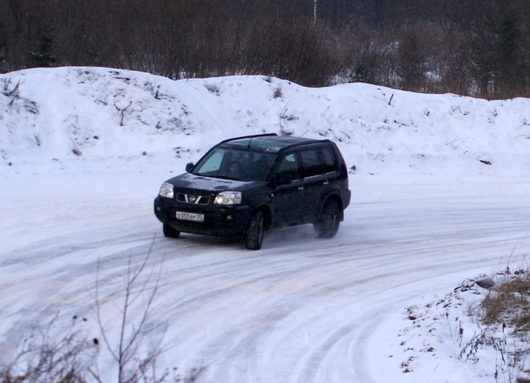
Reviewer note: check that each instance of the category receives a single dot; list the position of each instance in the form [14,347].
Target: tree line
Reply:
[469,47]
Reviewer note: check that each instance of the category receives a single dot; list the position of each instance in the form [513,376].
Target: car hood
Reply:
[192,182]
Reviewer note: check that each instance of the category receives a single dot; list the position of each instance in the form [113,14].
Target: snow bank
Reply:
[59,117]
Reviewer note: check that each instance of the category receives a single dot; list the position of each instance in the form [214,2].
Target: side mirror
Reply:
[189,166]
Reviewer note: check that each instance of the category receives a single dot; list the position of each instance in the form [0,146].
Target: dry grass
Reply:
[504,314]
[508,302]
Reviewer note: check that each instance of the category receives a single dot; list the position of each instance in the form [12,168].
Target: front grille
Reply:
[193,199]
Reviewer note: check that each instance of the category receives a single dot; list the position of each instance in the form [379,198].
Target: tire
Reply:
[169,231]
[254,234]
[328,223]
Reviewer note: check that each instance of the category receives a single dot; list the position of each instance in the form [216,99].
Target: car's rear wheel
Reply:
[329,221]
[254,234]
[169,231]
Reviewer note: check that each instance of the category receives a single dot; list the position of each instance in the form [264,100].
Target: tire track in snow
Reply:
[300,310]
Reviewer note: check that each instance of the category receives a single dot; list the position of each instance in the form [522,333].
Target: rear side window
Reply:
[288,168]
[329,159]
[311,165]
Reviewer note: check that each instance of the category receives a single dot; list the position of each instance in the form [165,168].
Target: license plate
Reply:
[185,216]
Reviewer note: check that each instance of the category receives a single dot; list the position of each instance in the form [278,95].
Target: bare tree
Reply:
[366,40]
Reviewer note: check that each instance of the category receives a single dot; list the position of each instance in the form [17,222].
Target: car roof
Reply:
[268,143]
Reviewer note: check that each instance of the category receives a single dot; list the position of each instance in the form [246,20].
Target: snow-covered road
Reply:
[300,310]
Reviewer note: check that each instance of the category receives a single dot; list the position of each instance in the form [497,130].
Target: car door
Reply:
[287,195]
[314,181]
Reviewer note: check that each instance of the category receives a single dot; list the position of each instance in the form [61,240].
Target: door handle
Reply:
[300,188]
[325,183]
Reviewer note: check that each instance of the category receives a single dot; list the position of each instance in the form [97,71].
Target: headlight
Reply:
[166,190]
[228,198]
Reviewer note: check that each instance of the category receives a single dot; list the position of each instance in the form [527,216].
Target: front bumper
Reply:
[218,220]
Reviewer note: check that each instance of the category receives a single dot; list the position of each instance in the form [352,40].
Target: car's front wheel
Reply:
[254,234]
[329,221]
[169,231]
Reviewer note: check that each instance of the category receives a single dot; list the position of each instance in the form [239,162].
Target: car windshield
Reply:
[234,164]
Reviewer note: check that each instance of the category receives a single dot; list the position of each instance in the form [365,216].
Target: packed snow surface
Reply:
[439,195]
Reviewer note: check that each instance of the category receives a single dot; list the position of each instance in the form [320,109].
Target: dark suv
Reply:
[246,185]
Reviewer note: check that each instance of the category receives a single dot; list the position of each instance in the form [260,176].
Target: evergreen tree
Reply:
[44,56]
[498,63]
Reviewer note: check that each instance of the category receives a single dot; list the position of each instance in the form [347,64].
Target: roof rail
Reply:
[251,136]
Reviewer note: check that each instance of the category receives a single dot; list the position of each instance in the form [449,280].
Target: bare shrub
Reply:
[8,89]
[124,353]
[278,92]
[213,89]
[42,357]
[134,362]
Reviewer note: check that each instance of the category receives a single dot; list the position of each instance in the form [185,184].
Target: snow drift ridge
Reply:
[72,113]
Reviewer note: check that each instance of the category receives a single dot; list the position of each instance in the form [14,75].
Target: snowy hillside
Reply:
[55,117]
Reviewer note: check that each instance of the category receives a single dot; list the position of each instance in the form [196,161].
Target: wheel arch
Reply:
[332,197]
[267,215]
